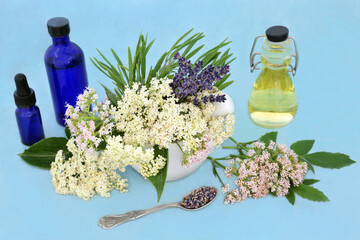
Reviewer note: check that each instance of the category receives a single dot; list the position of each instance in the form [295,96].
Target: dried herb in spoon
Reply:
[199,197]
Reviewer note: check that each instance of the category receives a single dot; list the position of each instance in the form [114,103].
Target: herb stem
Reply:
[180,148]
[242,147]
[232,139]
[229,147]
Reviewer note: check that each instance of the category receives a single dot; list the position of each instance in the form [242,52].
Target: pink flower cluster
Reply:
[89,128]
[206,148]
[267,169]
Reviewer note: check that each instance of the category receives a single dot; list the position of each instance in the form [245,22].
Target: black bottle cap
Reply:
[277,33]
[58,27]
[24,96]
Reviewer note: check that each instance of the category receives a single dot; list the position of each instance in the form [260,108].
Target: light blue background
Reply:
[327,84]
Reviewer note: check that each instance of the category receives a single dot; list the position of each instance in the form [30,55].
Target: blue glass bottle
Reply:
[27,114]
[65,67]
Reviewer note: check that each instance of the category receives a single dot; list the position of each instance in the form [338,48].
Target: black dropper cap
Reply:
[277,33]
[24,96]
[58,27]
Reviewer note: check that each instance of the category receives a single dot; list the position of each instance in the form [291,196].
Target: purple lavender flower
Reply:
[189,81]
[196,102]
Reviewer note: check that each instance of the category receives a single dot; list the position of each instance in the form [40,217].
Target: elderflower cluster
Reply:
[85,174]
[267,169]
[154,116]
[143,117]
[89,128]
[118,155]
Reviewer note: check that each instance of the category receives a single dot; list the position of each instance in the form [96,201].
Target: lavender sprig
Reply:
[189,81]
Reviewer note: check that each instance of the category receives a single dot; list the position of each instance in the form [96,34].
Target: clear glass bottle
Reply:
[273,102]
[65,67]
[27,113]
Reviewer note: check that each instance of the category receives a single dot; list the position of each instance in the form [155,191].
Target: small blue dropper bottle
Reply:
[27,114]
[65,67]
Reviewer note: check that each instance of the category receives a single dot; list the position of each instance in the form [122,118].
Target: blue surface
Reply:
[327,85]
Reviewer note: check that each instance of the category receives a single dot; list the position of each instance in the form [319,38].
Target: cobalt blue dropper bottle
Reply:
[65,67]
[27,113]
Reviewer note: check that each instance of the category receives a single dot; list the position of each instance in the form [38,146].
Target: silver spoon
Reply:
[110,221]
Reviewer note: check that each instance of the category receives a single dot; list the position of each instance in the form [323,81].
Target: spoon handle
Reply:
[110,221]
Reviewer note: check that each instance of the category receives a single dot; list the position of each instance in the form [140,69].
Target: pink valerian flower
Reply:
[206,147]
[270,169]
[89,128]
[225,188]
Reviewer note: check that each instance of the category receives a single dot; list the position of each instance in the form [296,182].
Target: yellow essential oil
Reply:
[273,102]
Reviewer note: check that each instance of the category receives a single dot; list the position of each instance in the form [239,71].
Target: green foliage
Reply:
[166,66]
[123,76]
[112,96]
[42,153]
[329,160]
[159,180]
[270,136]
[67,132]
[302,147]
[291,197]
[310,193]
[310,181]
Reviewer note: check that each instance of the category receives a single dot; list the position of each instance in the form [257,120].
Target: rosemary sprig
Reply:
[135,72]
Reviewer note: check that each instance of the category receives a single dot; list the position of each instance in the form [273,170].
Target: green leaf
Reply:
[113,69]
[159,180]
[218,83]
[42,154]
[291,197]
[194,52]
[95,62]
[119,63]
[112,96]
[310,181]
[224,85]
[67,132]
[302,147]
[329,160]
[310,193]
[310,166]
[102,146]
[179,40]
[270,136]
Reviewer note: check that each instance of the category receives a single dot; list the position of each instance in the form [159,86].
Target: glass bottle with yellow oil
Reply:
[273,102]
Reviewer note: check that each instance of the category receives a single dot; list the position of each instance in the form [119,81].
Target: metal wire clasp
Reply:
[252,56]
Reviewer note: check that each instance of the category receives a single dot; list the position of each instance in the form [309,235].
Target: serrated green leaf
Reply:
[329,160]
[291,197]
[270,136]
[42,153]
[302,147]
[159,180]
[310,181]
[310,193]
